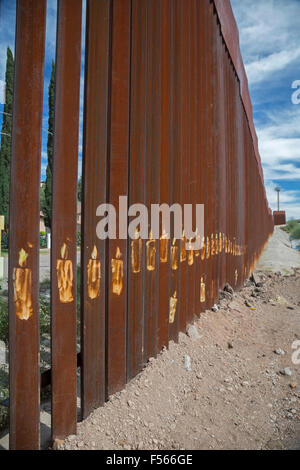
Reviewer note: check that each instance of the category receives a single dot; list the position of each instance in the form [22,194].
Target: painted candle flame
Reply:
[22,258]
[94,253]
[64,251]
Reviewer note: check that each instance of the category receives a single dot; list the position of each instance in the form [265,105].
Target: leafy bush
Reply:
[4,321]
[78,238]
[291,225]
[296,232]
[43,240]
[4,240]
[44,316]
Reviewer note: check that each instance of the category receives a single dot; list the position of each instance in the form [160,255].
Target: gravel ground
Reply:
[226,385]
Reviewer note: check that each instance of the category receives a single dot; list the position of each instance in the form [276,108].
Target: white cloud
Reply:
[262,69]
[269,36]
[279,144]
[266,27]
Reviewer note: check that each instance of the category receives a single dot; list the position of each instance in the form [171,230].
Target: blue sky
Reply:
[270,44]
[7,33]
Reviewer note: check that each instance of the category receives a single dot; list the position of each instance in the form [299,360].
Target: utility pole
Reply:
[277,189]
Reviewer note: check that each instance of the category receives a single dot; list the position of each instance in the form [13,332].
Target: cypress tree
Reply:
[5,150]
[79,191]
[48,186]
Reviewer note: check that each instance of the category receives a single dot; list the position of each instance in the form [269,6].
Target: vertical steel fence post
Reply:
[24,241]
[64,220]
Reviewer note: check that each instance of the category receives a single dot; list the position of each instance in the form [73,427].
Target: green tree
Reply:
[79,191]
[291,225]
[5,149]
[47,200]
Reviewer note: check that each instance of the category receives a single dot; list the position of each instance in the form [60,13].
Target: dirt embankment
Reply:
[222,387]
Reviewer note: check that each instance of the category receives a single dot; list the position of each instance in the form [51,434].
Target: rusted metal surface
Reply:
[167,119]
[94,281]
[118,186]
[153,149]
[137,181]
[279,217]
[231,37]
[175,166]
[64,222]
[164,244]
[24,226]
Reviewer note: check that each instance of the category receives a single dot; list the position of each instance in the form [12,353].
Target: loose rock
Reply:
[192,332]
[287,371]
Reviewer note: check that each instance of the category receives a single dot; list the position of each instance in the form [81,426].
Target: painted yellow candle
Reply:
[197,252]
[220,242]
[207,248]
[202,290]
[212,244]
[164,247]
[151,251]
[23,288]
[136,253]
[174,255]
[93,275]
[183,248]
[65,276]
[173,307]
[117,273]
[191,254]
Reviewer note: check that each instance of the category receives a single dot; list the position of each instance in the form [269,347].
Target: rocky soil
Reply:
[233,382]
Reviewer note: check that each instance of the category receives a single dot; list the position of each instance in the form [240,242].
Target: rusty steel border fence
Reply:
[167,118]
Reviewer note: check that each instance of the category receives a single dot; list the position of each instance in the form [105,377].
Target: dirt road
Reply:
[234,383]
[278,254]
